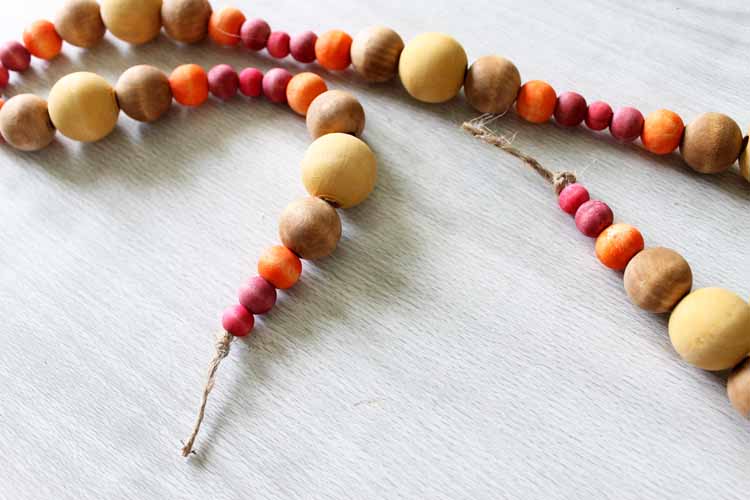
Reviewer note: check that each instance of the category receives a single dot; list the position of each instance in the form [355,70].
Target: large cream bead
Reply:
[339,168]
[432,67]
[133,21]
[710,328]
[83,107]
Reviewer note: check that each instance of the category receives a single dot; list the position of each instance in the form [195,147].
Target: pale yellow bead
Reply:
[133,21]
[432,67]
[83,107]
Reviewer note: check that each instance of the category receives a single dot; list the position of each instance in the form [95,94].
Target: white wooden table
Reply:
[463,343]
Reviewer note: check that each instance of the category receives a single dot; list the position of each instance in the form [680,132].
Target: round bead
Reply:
[275,83]
[186,21]
[223,81]
[375,53]
[339,168]
[251,82]
[302,46]
[744,158]
[432,67]
[257,295]
[711,143]
[254,34]
[278,44]
[224,26]
[310,227]
[42,40]
[238,321]
[599,115]
[302,90]
[572,197]
[710,329]
[4,77]
[25,123]
[662,131]
[332,50]
[279,266]
[143,93]
[492,84]
[738,388]
[335,111]
[189,84]
[83,107]
[570,109]
[133,21]
[627,124]
[617,244]
[14,56]
[536,101]
[593,217]
[657,279]
[79,22]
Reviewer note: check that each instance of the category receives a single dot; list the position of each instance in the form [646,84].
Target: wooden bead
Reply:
[617,244]
[186,20]
[745,163]
[144,93]
[339,168]
[310,227]
[375,53]
[79,23]
[711,143]
[710,328]
[83,107]
[432,67]
[657,279]
[133,21]
[492,84]
[738,388]
[25,123]
[335,111]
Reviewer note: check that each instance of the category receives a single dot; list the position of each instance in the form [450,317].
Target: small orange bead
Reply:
[332,49]
[224,26]
[189,84]
[279,266]
[617,244]
[302,90]
[536,101]
[662,131]
[42,40]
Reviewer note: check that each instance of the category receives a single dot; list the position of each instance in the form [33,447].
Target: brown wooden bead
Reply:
[738,388]
[711,143]
[79,23]
[310,227]
[83,107]
[133,21]
[657,278]
[25,123]
[375,52]
[335,111]
[492,84]
[186,20]
[144,93]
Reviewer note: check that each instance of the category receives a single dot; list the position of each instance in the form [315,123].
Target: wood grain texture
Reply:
[463,342]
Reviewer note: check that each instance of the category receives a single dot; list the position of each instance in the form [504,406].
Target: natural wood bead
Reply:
[79,22]
[133,21]
[738,388]
[143,93]
[375,53]
[657,278]
[25,123]
[711,143]
[335,111]
[492,84]
[310,227]
[432,67]
[83,107]
[745,162]
[186,20]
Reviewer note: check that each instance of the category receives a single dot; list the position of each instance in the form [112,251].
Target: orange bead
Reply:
[332,49]
[279,266]
[617,244]
[224,26]
[302,90]
[42,40]
[662,131]
[189,84]
[536,101]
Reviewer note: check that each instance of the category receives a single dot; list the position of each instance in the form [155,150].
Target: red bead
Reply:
[257,295]
[593,217]
[275,83]
[627,124]
[254,34]
[223,81]
[251,82]
[238,321]
[15,56]
[599,115]
[570,109]
[278,44]
[4,77]
[572,197]
[302,46]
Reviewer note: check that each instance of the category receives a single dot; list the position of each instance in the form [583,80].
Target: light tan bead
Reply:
[79,22]
[143,93]
[745,163]
[335,111]
[492,84]
[25,123]
[711,143]
[738,388]
[83,107]
[375,53]
[657,278]
[339,168]
[133,21]
[186,20]
[310,227]
[432,67]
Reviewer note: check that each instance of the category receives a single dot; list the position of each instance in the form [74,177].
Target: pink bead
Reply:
[254,34]
[572,197]
[237,320]
[593,217]
[4,77]
[274,84]
[570,109]
[627,124]
[251,82]
[302,46]
[278,44]
[599,115]
[14,56]
[223,81]
[257,295]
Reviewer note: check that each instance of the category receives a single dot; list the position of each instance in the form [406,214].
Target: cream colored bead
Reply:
[133,21]
[432,67]
[83,107]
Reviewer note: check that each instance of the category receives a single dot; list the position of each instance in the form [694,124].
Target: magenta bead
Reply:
[274,84]
[14,56]
[237,320]
[251,82]
[570,109]
[257,295]
[627,124]
[278,44]
[4,77]
[302,46]
[254,34]
[572,197]
[593,217]
[599,115]
[223,81]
